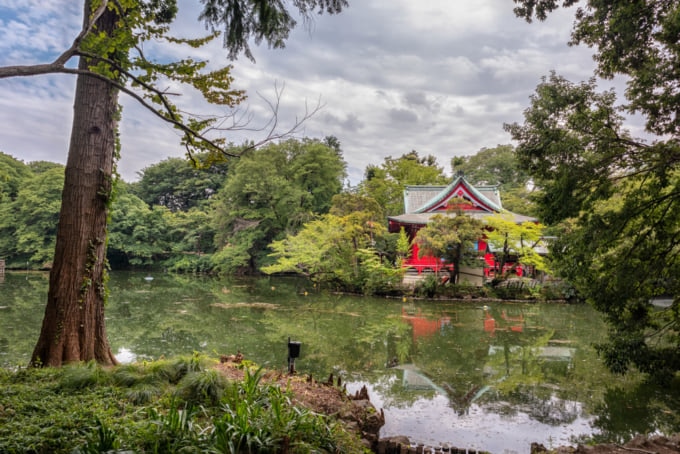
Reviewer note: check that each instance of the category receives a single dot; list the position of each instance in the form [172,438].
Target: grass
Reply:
[182,405]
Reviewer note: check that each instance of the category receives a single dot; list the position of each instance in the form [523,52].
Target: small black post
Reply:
[293,352]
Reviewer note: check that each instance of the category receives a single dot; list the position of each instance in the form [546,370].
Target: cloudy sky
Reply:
[437,76]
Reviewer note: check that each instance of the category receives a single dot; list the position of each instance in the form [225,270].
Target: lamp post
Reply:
[293,352]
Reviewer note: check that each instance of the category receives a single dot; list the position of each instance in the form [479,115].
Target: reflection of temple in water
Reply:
[513,323]
[415,379]
[513,347]
[423,326]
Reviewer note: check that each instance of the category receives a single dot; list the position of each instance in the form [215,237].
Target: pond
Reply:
[485,375]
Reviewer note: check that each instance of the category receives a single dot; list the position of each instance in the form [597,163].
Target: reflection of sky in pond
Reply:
[480,376]
[125,356]
[432,421]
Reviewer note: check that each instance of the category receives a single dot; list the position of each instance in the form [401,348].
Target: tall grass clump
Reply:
[203,386]
[83,375]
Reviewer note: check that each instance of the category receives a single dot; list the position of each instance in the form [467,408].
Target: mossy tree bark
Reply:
[73,327]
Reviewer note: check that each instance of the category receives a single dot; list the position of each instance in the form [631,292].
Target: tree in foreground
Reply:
[110,60]
[616,197]
[451,237]
[521,240]
[345,248]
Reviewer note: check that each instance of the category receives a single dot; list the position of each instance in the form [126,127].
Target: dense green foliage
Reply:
[500,167]
[386,183]
[171,216]
[617,197]
[352,252]
[12,172]
[280,209]
[179,184]
[270,193]
[519,240]
[137,232]
[167,406]
[452,237]
[29,216]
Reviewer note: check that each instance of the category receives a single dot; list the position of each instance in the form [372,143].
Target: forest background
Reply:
[233,216]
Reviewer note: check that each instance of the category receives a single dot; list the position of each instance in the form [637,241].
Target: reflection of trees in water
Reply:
[170,342]
[391,387]
[552,411]
[502,367]
[624,413]
[544,408]
[461,400]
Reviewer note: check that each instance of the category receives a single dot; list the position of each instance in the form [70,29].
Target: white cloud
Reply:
[440,77]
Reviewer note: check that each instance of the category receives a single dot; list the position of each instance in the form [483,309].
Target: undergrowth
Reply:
[170,406]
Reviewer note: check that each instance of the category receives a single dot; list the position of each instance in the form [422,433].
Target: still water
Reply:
[492,376]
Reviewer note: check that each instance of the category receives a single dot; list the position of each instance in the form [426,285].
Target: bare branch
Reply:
[271,126]
[241,121]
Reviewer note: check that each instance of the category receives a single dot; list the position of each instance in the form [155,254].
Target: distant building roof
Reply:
[423,202]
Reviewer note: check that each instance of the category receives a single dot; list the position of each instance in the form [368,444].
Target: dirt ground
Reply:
[324,397]
[329,397]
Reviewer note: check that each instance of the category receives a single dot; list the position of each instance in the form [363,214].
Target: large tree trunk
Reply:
[73,327]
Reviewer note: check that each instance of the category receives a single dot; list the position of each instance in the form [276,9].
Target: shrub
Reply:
[203,386]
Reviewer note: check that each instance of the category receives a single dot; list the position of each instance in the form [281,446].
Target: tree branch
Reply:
[57,66]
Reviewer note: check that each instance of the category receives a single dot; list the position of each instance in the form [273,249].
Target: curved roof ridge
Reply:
[448,191]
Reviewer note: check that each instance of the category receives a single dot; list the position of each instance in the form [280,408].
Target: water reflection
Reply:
[460,372]
[125,356]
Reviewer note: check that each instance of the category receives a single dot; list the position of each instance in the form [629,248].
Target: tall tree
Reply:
[386,183]
[618,197]
[109,48]
[498,166]
[295,181]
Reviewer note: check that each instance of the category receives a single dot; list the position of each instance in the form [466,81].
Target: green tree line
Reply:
[281,208]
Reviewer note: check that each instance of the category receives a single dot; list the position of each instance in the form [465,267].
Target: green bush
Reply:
[144,407]
[203,386]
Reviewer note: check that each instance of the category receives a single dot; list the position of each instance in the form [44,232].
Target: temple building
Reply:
[423,202]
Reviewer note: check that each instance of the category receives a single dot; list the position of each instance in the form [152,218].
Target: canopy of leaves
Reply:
[178,184]
[261,20]
[638,39]
[572,143]
[270,193]
[386,183]
[500,167]
[451,237]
